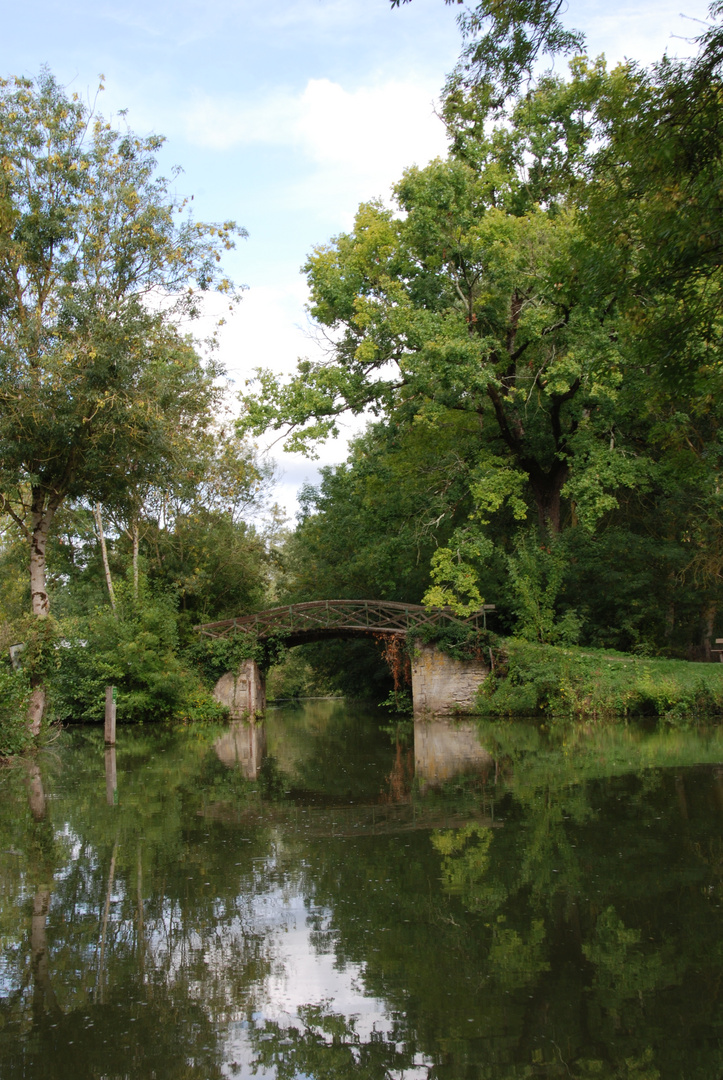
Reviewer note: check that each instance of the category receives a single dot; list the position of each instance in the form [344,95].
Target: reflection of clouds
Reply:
[269,934]
[302,975]
[309,977]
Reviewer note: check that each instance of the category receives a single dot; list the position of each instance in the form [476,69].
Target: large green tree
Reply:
[556,281]
[462,305]
[98,386]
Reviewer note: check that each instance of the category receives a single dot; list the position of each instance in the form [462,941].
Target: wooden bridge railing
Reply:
[346,616]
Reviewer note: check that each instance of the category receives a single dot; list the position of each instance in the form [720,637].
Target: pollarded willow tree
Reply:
[99,263]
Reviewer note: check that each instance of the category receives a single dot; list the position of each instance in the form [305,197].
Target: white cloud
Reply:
[269,330]
[641,31]
[395,119]
[222,123]
[362,137]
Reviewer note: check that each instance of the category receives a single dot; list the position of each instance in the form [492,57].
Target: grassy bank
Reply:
[535,680]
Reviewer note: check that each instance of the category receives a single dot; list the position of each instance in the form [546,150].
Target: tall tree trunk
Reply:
[104,552]
[36,704]
[42,511]
[710,610]
[546,487]
[135,559]
[40,527]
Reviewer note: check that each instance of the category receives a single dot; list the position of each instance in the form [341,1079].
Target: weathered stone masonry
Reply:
[443,686]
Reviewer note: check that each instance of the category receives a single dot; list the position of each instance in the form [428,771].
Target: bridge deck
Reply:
[325,617]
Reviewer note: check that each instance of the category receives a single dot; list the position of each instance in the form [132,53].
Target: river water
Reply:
[321,898]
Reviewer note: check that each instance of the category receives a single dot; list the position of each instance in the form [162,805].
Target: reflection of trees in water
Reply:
[123,931]
[36,793]
[399,781]
[117,1039]
[579,932]
[43,995]
[572,940]
[569,941]
[325,752]
[320,1042]
[117,966]
[155,1017]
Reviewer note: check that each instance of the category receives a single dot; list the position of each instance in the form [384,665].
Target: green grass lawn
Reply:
[530,679]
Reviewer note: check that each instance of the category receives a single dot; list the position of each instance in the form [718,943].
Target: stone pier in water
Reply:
[441,686]
[243,692]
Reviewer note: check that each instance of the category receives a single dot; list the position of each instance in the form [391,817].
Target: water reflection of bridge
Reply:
[443,749]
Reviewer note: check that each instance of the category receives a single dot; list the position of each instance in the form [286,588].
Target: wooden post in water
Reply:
[111,777]
[110,700]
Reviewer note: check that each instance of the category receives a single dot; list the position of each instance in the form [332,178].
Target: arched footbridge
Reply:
[318,619]
[439,684]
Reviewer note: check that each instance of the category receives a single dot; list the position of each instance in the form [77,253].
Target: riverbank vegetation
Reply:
[533,325]
[554,683]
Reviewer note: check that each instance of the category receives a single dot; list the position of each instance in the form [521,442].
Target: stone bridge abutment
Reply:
[243,692]
[442,685]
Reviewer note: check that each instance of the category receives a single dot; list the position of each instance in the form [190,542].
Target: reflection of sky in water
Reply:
[302,972]
[302,975]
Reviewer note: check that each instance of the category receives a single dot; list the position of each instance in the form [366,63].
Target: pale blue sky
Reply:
[285,115]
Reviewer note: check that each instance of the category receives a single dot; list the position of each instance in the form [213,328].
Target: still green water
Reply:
[293,901]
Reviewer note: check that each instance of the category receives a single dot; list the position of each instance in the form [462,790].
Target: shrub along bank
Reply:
[530,679]
[14,693]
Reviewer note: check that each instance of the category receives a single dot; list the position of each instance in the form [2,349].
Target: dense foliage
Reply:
[536,326]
